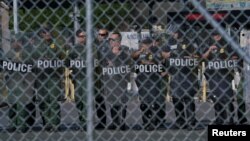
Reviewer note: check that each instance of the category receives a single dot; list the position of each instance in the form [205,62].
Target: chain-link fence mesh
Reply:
[138,70]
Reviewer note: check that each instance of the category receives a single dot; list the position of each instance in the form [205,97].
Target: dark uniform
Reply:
[100,51]
[183,68]
[49,83]
[20,84]
[78,53]
[160,42]
[242,90]
[149,85]
[219,73]
[116,73]
[2,83]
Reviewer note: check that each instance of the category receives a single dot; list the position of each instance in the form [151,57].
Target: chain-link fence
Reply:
[154,70]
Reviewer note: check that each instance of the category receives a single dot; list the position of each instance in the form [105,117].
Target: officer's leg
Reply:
[241,105]
[241,111]
[47,110]
[114,110]
[220,111]
[13,116]
[42,108]
[56,105]
[160,114]
[100,101]
[231,112]
[31,114]
[80,103]
[228,106]
[159,104]
[54,112]
[179,112]
[23,117]
[227,112]
[18,115]
[146,104]
[81,112]
[146,114]
[190,110]
[123,117]
[43,96]
[100,111]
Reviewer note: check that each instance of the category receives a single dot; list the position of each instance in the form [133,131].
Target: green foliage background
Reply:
[108,15]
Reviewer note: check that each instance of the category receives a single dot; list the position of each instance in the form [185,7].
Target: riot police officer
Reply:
[149,68]
[100,50]
[78,53]
[20,83]
[240,94]
[49,55]
[116,71]
[220,64]
[182,65]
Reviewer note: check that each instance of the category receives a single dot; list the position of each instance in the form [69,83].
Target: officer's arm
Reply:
[136,54]
[207,53]
[165,54]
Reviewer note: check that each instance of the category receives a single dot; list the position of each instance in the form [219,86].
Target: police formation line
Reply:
[43,64]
